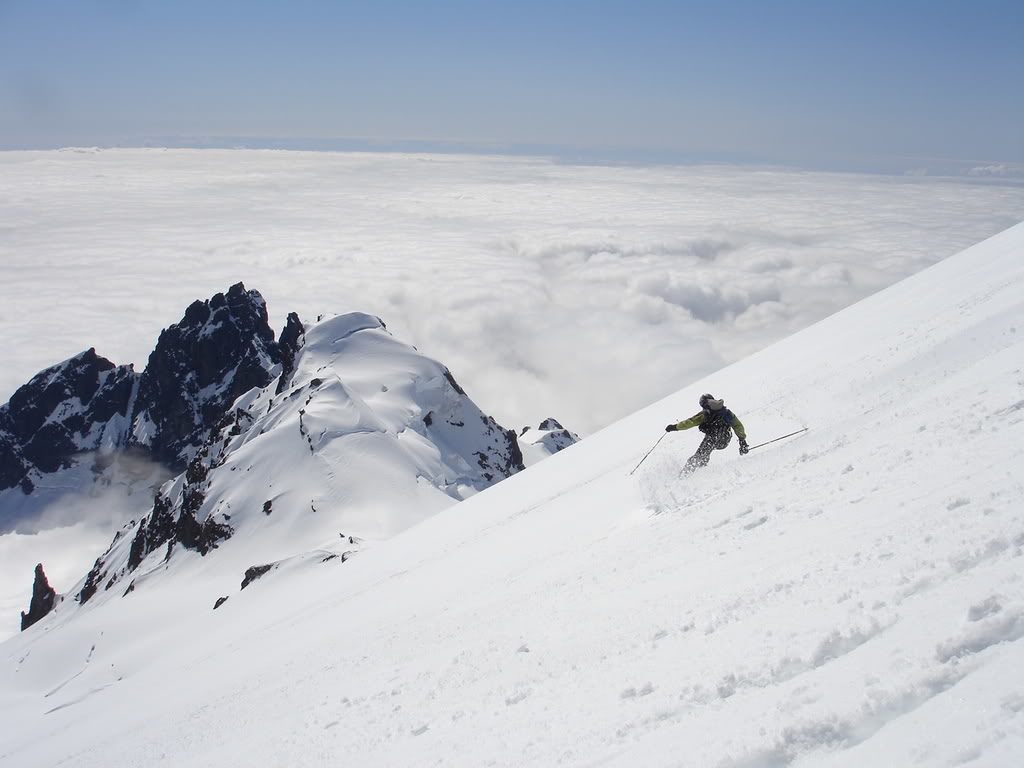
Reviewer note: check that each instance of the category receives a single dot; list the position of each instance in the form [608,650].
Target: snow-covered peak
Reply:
[362,439]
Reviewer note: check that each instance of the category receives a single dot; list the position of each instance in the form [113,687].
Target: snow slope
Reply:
[849,597]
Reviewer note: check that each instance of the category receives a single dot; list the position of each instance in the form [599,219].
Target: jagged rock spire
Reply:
[43,599]
[219,350]
[290,342]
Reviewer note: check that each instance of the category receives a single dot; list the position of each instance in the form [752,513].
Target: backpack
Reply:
[715,421]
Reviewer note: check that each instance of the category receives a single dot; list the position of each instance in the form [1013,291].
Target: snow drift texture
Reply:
[849,597]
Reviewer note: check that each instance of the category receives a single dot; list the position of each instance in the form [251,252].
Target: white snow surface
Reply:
[852,596]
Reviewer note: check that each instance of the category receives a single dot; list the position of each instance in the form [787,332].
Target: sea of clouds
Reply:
[579,292]
[582,292]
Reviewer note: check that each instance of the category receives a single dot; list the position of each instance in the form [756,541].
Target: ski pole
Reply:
[779,438]
[648,454]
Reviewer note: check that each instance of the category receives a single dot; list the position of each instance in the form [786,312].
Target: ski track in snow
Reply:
[852,596]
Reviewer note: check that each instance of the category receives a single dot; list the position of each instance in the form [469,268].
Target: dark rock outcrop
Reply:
[290,342]
[453,382]
[557,437]
[89,407]
[64,410]
[551,435]
[219,350]
[92,582]
[253,573]
[168,524]
[200,536]
[154,531]
[43,599]
[504,457]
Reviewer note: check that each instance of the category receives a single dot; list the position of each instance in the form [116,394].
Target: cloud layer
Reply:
[580,292]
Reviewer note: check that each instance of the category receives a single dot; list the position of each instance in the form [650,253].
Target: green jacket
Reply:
[734,422]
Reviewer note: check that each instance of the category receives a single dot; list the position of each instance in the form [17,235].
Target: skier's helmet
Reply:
[708,403]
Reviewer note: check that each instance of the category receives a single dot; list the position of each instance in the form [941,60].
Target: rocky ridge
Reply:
[88,412]
[258,434]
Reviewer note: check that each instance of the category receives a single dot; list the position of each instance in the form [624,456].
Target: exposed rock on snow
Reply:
[219,350]
[548,438]
[43,599]
[292,338]
[92,581]
[73,407]
[253,573]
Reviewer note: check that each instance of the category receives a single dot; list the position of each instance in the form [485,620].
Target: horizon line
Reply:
[979,170]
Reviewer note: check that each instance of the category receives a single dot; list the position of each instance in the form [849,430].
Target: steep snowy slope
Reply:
[852,596]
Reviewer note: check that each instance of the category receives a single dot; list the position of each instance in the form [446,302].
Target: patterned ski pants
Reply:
[712,441]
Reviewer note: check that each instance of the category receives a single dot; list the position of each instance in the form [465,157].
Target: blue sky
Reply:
[825,84]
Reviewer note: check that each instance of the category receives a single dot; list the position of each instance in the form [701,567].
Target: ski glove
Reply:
[744,448]
[670,428]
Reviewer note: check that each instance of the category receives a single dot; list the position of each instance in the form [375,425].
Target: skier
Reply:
[717,423]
